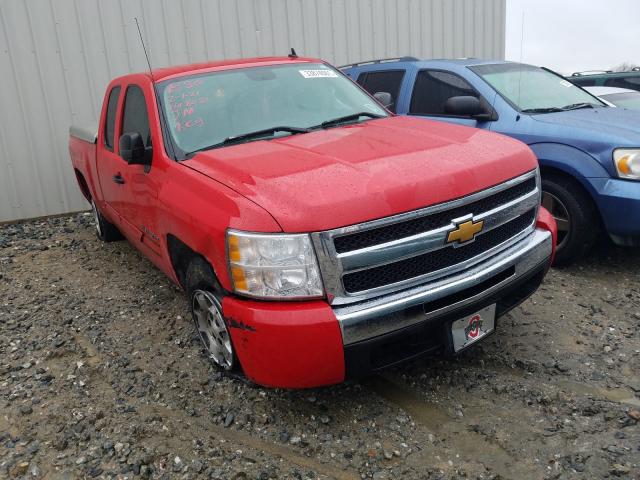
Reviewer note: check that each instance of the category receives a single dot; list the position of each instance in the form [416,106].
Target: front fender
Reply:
[198,211]
[572,161]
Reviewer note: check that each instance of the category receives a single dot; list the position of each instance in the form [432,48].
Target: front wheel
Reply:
[205,297]
[105,230]
[575,215]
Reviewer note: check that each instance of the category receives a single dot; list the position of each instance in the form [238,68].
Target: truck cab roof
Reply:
[164,73]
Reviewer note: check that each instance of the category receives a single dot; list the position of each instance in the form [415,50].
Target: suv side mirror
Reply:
[132,149]
[469,106]
[463,106]
[384,98]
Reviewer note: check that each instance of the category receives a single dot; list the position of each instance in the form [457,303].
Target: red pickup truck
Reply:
[318,236]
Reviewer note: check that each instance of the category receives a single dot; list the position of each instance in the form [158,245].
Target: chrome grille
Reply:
[363,261]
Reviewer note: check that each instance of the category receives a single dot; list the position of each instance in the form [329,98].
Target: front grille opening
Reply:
[469,292]
[425,339]
[395,231]
[519,295]
[433,261]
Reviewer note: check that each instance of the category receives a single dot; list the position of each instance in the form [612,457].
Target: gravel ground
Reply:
[101,375]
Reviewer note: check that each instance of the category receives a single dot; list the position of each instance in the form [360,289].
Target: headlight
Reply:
[627,161]
[273,265]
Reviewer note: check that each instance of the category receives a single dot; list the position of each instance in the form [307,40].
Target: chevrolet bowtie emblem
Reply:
[465,232]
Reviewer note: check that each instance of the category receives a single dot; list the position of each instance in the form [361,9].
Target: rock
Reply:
[619,469]
[26,410]
[19,469]
[228,420]
[178,464]
[295,440]
[634,414]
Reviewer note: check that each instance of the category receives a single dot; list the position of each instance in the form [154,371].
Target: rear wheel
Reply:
[575,215]
[205,297]
[105,230]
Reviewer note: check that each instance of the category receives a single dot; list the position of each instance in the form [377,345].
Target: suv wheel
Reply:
[577,219]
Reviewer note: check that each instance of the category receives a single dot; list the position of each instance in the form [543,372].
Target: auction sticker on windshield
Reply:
[319,73]
[472,328]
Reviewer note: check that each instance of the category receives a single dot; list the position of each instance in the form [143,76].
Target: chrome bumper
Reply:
[368,319]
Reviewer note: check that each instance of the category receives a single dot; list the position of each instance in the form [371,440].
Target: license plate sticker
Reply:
[472,328]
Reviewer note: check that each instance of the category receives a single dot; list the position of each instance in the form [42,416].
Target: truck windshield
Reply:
[225,107]
[534,90]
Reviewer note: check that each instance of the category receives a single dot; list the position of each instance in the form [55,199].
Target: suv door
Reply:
[431,90]
[389,81]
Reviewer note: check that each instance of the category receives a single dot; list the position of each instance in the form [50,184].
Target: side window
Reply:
[387,81]
[433,88]
[583,82]
[135,118]
[110,121]
[632,83]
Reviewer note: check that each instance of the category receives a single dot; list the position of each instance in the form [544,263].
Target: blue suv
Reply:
[589,153]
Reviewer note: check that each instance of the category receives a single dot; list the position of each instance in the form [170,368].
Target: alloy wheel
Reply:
[96,218]
[212,329]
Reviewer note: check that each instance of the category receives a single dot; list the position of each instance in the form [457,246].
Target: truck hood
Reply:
[342,176]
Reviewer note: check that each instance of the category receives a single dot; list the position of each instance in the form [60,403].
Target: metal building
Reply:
[57,56]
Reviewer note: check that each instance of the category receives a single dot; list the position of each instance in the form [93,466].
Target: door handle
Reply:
[118,178]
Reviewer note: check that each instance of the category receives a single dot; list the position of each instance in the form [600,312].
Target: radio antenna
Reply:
[144,48]
[164,123]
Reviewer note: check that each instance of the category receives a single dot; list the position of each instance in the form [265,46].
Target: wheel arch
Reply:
[181,255]
[553,171]
[82,183]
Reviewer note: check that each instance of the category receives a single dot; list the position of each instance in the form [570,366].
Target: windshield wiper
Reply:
[576,106]
[347,118]
[543,110]
[252,135]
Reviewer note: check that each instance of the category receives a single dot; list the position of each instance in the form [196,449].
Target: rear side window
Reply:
[388,81]
[433,88]
[632,83]
[583,82]
[110,121]
[135,118]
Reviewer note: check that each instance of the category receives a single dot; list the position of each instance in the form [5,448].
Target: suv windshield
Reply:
[534,90]
[625,99]
[224,107]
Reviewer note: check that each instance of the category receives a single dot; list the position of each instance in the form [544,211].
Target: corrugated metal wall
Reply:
[57,56]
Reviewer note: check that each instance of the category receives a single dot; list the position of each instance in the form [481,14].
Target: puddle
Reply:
[618,395]
[471,445]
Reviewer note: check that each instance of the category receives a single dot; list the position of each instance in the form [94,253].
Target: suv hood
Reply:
[618,126]
[342,176]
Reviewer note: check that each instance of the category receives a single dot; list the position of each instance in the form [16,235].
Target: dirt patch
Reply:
[101,375]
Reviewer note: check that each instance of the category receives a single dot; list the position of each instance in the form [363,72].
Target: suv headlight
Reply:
[627,161]
[273,266]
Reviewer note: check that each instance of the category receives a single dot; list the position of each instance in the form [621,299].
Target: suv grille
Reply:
[434,261]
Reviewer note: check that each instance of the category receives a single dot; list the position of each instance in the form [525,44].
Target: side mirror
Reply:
[468,106]
[384,98]
[463,106]
[132,149]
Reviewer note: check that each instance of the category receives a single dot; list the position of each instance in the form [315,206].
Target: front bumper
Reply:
[298,345]
[619,205]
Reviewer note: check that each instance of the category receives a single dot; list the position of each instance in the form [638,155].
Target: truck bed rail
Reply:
[88,133]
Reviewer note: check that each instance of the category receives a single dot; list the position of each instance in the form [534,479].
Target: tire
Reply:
[105,230]
[205,300]
[576,216]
